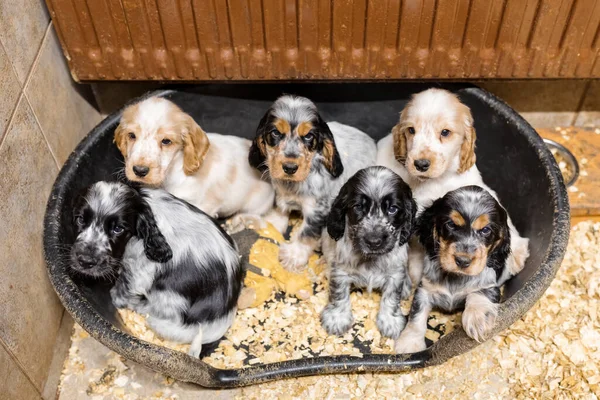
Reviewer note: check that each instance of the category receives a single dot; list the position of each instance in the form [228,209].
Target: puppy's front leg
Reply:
[412,338]
[337,317]
[294,255]
[390,320]
[480,313]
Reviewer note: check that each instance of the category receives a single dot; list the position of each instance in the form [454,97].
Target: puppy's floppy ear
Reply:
[426,229]
[336,220]
[399,140]
[332,160]
[120,139]
[195,146]
[467,149]
[409,226]
[155,245]
[258,152]
[501,248]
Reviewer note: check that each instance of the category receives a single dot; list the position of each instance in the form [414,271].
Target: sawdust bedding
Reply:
[552,352]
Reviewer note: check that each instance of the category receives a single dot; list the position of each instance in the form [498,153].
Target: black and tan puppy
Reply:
[307,160]
[467,242]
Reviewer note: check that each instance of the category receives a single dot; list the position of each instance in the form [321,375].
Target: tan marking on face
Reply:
[481,222]
[276,158]
[457,218]
[303,128]
[282,126]
[448,251]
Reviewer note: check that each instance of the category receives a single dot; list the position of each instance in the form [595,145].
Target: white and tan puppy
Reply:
[433,149]
[164,147]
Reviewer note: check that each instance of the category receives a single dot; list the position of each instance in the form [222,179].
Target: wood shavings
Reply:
[553,352]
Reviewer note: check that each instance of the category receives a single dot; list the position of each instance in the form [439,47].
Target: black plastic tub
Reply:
[512,157]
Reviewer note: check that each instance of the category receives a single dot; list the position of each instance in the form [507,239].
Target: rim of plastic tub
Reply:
[182,367]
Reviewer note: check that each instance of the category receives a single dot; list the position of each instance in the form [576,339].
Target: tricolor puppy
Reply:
[433,149]
[308,161]
[173,262]
[467,243]
[366,246]
[165,147]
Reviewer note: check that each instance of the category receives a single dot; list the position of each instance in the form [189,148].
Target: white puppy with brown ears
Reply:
[433,149]
[164,147]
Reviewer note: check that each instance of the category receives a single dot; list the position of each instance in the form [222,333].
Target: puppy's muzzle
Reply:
[422,164]
[463,261]
[141,170]
[290,168]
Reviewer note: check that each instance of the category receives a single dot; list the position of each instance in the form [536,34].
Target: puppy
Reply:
[366,246]
[433,149]
[308,161]
[173,262]
[165,147]
[467,243]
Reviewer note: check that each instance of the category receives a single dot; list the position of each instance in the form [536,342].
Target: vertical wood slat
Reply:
[203,40]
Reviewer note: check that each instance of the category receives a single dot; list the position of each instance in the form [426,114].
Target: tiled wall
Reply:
[43,115]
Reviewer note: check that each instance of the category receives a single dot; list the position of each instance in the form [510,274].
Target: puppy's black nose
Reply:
[462,262]
[422,164]
[374,243]
[141,171]
[86,262]
[290,168]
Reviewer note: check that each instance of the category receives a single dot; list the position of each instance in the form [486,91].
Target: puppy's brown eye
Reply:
[411,130]
[118,229]
[486,230]
[309,137]
[79,220]
[393,210]
[131,135]
[275,133]
[450,225]
[166,142]
[445,132]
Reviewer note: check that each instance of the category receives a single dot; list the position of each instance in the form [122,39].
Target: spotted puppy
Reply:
[173,262]
[308,161]
[467,243]
[366,246]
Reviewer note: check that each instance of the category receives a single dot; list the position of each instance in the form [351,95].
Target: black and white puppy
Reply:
[174,262]
[368,228]
[467,242]
[307,160]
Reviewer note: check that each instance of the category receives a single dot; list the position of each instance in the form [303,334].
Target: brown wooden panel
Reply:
[203,40]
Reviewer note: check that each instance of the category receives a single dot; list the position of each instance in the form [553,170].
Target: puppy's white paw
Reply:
[390,325]
[479,321]
[195,351]
[279,220]
[294,256]
[240,222]
[336,320]
[409,342]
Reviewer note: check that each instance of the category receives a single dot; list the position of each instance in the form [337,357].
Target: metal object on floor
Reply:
[512,157]
[568,156]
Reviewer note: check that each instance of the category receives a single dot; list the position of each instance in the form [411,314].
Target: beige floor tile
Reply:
[31,311]
[9,89]
[543,104]
[64,108]
[14,384]
[22,27]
